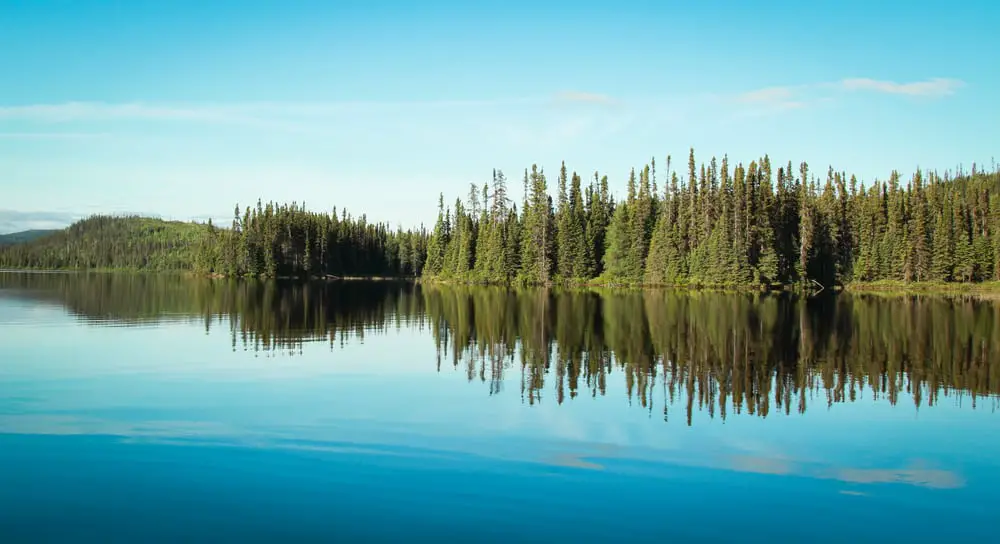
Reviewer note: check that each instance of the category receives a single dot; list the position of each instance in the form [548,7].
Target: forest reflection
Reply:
[709,352]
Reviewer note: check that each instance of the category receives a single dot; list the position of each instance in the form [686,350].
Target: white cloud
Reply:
[932,87]
[280,114]
[770,100]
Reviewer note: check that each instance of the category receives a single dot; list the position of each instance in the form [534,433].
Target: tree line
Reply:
[716,224]
[723,224]
[266,241]
[275,240]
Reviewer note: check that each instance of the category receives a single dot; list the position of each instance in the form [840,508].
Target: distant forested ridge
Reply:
[102,242]
[715,224]
[269,241]
[24,236]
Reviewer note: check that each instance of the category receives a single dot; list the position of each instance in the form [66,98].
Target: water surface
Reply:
[157,408]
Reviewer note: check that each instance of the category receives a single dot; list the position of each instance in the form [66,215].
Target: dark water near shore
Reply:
[156,408]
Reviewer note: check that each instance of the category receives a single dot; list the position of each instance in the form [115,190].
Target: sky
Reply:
[184,109]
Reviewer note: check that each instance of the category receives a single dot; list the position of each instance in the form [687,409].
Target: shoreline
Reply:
[882,287]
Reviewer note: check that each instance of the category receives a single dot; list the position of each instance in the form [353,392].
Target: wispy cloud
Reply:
[83,111]
[584,97]
[257,111]
[275,113]
[227,112]
[771,100]
[932,87]
[776,99]
[238,114]
[51,135]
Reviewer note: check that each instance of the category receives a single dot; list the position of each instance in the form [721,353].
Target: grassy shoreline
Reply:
[885,287]
[889,287]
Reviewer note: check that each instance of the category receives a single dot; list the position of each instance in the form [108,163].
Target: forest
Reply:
[266,241]
[717,224]
[723,225]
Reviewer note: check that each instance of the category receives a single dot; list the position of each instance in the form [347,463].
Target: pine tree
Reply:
[807,225]
[995,232]
[580,257]
[484,253]
[965,262]
[564,217]
[640,227]
[618,244]
[495,261]
[919,248]
[599,210]
[944,248]
[437,246]
[537,237]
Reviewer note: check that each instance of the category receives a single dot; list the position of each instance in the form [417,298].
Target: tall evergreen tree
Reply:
[537,246]
[437,246]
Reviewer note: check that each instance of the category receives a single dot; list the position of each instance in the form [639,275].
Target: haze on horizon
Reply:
[182,110]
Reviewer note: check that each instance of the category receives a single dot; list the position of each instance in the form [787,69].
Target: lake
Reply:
[157,408]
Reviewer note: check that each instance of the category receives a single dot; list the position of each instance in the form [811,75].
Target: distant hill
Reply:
[109,242]
[24,236]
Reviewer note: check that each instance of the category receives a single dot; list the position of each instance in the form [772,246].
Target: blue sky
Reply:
[183,108]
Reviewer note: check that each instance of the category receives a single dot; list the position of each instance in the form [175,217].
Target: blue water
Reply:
[161,431]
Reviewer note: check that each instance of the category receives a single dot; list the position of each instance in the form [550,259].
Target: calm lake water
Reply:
[144,408]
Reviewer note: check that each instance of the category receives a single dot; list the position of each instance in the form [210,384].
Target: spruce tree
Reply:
[919,247]
[437,245]
[807,224]
[640,227]
[995,232]
[537,234]
[618,244]
[564,216]
[580,258]
[943,258]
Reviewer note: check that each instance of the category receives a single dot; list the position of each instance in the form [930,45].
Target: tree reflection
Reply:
[708,352]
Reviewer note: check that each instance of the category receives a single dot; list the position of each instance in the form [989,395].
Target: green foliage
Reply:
[574,260]
[538,234]
[944,248]
[599,210]
[743,227]
[437,246]
[288,241]
[618,244]
[721,225]
[112,243]
[267,241]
